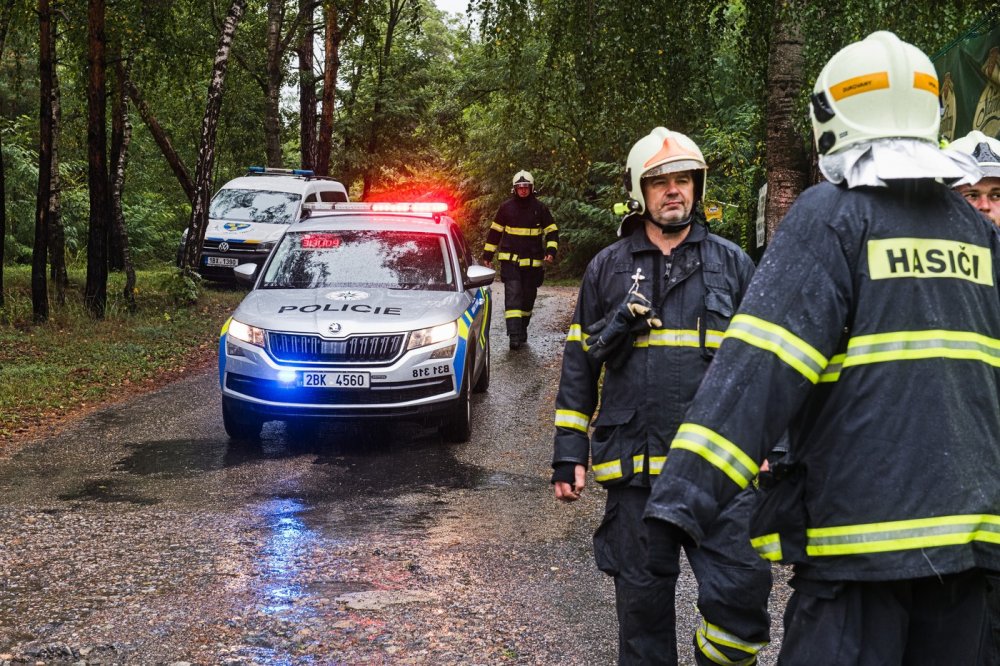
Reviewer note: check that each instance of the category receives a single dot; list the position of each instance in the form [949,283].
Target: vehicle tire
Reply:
[240,425]
[457,425]
[483,383]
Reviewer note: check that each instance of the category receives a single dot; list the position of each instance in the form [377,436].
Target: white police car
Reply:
[364,310]
[248,215]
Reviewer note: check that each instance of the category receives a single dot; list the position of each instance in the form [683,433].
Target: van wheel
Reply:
[483,383]
[457,425]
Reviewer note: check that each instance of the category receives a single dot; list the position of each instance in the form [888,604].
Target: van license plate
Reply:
[230,262]
[335,380]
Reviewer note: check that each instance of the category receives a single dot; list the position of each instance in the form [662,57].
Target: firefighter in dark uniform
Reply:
[650,314]
[522,237]
[871,334]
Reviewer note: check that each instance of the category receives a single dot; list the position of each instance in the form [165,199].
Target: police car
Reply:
[248,215]
[363,310]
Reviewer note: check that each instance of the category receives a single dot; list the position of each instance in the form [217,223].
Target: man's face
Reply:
[669,196]
[522,189]
[984,197]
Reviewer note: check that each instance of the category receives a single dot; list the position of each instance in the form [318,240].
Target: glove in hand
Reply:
[611,337]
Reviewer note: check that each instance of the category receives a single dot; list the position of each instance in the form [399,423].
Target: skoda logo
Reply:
[223,246]
[334,328]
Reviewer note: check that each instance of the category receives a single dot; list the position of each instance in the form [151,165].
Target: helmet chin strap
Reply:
[673,227]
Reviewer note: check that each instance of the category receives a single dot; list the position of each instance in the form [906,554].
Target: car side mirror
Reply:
[245,274]
[479,276]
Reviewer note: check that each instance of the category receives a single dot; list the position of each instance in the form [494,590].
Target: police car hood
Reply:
[349,311]
[243,232]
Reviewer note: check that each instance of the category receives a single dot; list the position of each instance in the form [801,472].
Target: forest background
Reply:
[399,100]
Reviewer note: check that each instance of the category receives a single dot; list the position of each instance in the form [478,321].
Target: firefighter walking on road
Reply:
[651,312]
[871,334]
[522,238]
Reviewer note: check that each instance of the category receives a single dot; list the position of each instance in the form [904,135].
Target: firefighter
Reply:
[522,238]
[984,194]
[650,313]
[871,334]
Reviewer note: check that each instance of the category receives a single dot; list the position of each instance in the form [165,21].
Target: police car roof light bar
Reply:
[434,208]
[308,173]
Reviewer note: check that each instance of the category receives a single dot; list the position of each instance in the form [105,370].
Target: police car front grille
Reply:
[378,394]
[292,348]
[234,246]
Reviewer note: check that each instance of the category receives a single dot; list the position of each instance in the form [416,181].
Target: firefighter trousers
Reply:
[917,622]
[733,586]
[520,288]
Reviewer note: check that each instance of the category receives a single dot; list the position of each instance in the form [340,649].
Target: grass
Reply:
[73,362]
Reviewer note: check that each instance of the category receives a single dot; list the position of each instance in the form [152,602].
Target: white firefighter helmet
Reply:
[663,151]
[984,148]
[880,87]
[523,178]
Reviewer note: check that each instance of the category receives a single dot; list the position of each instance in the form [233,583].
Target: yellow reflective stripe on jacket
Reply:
[709,636]
[655,464]
[911,345]
[607,471]
[717,450]
[516,314]
[567,418]
[489,247]
[510,256]
[831,372]
[902,535]
[552,227]
[781,342]
[496,226]
[575,334]
[664,337]
[523,231]
[768,546]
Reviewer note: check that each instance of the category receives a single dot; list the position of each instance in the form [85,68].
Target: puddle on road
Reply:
[179,458]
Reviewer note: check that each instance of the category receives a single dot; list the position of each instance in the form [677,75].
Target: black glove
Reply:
[663,542]
[611,337]
[565,472]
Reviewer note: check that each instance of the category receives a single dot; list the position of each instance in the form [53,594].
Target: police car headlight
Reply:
[432,335]
[249,334]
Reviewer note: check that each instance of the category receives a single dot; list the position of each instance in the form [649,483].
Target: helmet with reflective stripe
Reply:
[984,148]
[523,178]
[663,151]
[880,87]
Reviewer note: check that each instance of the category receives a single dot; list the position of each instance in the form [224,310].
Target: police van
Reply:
[363,310]
[248,215]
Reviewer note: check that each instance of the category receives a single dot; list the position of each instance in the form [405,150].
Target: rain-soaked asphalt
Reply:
[141,535]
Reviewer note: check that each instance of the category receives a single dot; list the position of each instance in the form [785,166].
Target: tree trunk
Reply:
[274,74]
[57,234]
[39,289]
[787,162]
[307,87]
[5,16]
[206,148]
[116,259]
[396,8]
[331,67]
[96,292]
[162,140]
[118,185]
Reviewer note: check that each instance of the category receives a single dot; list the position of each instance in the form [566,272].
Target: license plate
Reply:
[335,380]
[222,261]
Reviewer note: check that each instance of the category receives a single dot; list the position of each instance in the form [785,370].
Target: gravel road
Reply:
[140,535]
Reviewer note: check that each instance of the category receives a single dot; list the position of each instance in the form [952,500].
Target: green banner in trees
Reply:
[970,84]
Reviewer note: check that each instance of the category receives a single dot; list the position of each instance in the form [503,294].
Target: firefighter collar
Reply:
[638,242]
[872,163]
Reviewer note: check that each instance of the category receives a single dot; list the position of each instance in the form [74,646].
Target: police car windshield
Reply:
[373,258]
[255,206]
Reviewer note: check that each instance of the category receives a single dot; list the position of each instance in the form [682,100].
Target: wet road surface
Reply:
[141,535]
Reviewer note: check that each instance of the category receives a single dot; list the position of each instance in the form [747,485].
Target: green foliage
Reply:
[183,286]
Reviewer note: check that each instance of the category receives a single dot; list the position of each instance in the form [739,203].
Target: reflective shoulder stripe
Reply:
[912,345]
[607,471]
[496,226]
[768,546]
[710,637]
[225,327]
[552,227]
[902,535]
[717,450]
[567,418]
[784,344]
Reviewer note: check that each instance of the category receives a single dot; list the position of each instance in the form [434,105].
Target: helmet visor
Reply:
[674,167]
